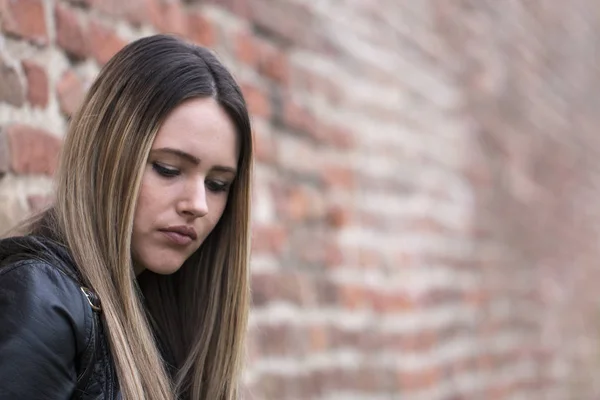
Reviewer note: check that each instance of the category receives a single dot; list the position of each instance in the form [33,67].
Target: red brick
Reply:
[38,202]
[264,146]
[440,296]
[70,92]
[311,246]
[296,204]
[269,238]
[303,78]
[70,34]
[264,56]
[4,154]
[257,99]
[478,174]
[121,9]
[245,48]
[403,259]
[318,338]
[352,296]
[418,380]
[366,379]
[282,340]
[300,203]
[12,90]
[286,286]
[453,331]
[427,224]
[422,341]
[32,150]
[327,380]
[375,341]
[298,117]
[334,256]
[273,62]
[24,18]
[288,21]
[201,30]
[343,338]
[326,292]
[104,42]
[476,297]
[277,386]
[339,177]
[172,19]
[239,7]
[338,216]
[81,2]
[149,12]
[335,136]
[390,302]
[37,84]
[498,392]
[469,364]
[137,12]
[372,340]
[368,258]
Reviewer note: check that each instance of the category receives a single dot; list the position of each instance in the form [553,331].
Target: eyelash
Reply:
[217,187]
[164,171]
[213,186]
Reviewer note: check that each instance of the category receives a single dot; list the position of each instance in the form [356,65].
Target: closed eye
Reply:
[218,186]
[164,171]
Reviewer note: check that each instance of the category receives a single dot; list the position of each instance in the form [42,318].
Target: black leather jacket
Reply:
[52,345]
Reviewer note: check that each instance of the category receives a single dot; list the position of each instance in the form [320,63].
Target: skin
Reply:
[185,186]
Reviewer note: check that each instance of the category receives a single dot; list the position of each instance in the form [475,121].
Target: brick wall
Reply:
[425,215]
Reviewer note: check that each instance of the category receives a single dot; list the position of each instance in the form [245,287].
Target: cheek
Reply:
[218,206]
[141,206]
[147,202]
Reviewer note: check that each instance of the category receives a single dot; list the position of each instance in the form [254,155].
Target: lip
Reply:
[181,235]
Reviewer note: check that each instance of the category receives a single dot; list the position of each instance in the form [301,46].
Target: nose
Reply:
[194,202]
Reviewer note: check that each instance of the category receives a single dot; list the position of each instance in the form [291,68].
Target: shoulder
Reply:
[37,297]
[44,331]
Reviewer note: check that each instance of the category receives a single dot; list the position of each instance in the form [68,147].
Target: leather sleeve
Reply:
[42,330]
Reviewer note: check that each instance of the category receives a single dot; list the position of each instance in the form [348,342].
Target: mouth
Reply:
[180,235]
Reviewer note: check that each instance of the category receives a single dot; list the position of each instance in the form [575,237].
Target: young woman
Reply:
[134,283]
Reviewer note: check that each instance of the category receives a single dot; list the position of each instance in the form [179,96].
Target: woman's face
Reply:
[185,185]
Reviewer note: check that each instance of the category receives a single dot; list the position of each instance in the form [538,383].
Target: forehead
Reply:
[201,128]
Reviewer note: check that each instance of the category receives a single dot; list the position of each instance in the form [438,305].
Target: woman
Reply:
[134,283]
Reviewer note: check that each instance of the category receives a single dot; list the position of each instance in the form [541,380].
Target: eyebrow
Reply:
[192,159]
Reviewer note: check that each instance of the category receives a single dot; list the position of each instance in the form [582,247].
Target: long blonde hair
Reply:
[198,314]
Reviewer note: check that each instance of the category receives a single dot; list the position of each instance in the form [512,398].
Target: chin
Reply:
[161,265]
[167,268]
[164,270]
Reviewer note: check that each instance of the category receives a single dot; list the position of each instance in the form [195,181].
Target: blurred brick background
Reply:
[427,185]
